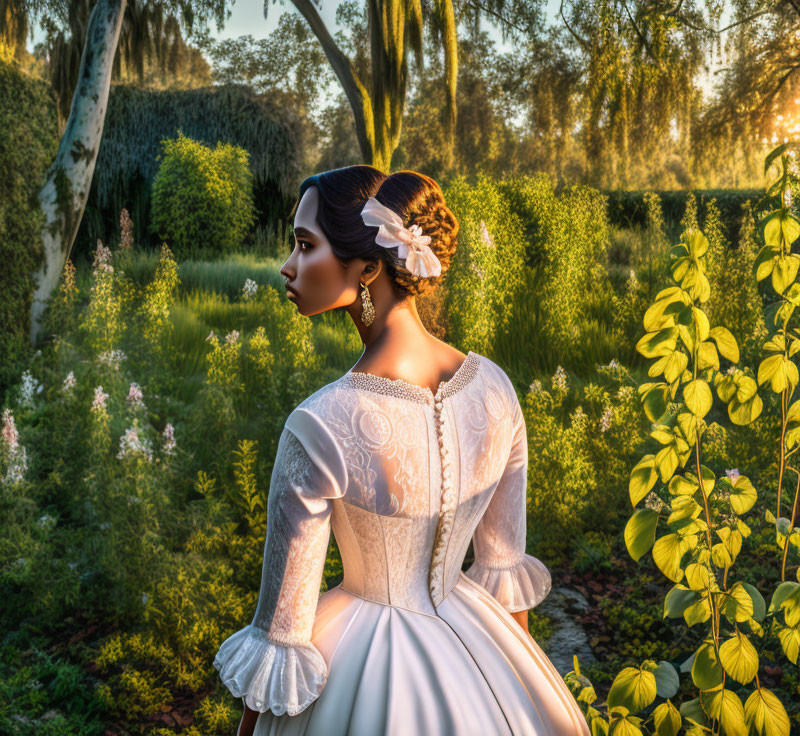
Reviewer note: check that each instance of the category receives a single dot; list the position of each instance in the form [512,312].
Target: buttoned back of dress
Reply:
[404,477]
[421,470]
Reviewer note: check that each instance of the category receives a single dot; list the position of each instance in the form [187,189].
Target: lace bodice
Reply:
[405,478]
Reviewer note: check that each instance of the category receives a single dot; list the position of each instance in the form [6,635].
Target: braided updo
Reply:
[418,200]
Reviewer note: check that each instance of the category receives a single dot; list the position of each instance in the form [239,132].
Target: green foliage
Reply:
[630,208]
[515,285]
[701,509]
[579,450]
[138,119]
[28,142]
[202,196]
[486,275]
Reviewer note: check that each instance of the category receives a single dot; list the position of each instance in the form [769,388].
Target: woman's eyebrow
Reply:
[303,232]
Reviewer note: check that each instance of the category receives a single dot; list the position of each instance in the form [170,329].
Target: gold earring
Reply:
[367,308]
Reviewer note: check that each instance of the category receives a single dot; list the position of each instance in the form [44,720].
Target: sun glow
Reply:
[787,127]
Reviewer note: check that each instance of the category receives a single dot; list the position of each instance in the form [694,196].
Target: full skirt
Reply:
[395,672]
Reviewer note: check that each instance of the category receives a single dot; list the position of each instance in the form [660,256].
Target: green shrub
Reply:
[28,143]
[202,197]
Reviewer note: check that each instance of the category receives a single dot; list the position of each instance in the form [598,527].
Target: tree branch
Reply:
[582,42]
[499,16]
[356,92]
[638,32]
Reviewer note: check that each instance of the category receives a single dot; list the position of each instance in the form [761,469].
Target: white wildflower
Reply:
[13,451]
[102,258]
[535,387]
[69,382]
[10,433]
[249,289]
[560,379]
[211,336]
[232,337]
[46,520]
[135,396]
[100,397]
[733,474]
[29,388]
[486,236]
[132,443]
[606,419]
[112,358]
[169,439]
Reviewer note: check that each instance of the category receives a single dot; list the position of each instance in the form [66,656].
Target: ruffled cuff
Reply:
[518,587]
[271,676]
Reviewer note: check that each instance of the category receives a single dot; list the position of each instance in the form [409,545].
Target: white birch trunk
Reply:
[66,189]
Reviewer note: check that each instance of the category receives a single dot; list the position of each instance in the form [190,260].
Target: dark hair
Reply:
[417,198]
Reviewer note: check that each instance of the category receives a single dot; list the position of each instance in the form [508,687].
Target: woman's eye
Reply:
[301,243]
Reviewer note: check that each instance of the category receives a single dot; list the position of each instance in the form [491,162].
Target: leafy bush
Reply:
[703,508]
[202,196]
[28,143]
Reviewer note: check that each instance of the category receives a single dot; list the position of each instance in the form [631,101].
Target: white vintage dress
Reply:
[407,643]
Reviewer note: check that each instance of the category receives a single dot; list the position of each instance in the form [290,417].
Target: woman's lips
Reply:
[290,291]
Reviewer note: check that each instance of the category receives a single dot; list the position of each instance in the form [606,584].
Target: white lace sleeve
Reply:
[272,663]
[517,580]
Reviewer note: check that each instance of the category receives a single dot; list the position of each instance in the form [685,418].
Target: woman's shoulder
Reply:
[495,374]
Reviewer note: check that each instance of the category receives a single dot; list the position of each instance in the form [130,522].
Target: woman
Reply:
[408,456]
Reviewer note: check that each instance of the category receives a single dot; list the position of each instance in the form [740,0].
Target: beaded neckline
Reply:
[406,390]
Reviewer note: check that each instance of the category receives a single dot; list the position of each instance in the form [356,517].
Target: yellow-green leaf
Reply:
[697,396]
[667,719]
[706,669]
[726,343]
[739,658]
[640,532]
[634,688]
[725,706]
[667,554]
[643,478]
[766,714]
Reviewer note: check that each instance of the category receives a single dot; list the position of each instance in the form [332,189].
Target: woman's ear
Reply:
[371,271]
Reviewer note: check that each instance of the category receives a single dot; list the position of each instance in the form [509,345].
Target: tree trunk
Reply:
[63,196]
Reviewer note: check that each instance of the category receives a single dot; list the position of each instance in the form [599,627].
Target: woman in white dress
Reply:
[408,456]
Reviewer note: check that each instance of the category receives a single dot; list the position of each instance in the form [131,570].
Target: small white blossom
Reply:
[112,358]
[169,439]
[653,502]
[249,289]
[13,451]
[135,396]
[733,474]
[10,433]
[46,520]
[560,379]
[72,565]
[102,258]
[69,382]
[211,336]
[29,388]
[486,236]
[100,397]
[232,337]
[145,598]
[105,525]
[606,419]
[535,387]
[132,443]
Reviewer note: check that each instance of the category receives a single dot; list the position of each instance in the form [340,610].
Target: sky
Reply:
[247,17]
